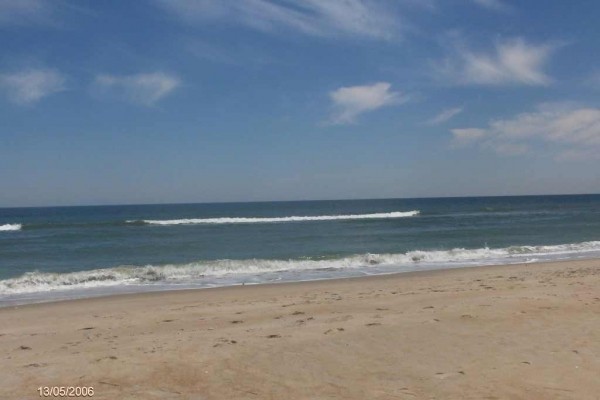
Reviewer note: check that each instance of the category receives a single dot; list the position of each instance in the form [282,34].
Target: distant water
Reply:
[69,252]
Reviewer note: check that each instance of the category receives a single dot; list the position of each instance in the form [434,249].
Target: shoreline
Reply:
[507,331]
[151,292]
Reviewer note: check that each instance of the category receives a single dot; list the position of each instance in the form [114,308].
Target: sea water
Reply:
[70,252]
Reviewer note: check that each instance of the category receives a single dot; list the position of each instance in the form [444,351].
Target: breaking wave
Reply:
[10,227]
[237,271]
[255,220]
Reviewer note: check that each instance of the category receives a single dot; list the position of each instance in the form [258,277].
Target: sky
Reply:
[173,101]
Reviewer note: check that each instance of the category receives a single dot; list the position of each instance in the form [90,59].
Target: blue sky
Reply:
[155,101]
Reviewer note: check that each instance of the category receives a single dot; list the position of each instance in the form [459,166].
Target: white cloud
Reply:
[445,115]
[350,102]
[467,135]
[553,123]
[366,18]
[30,86]
[494,5]
[145,89]
[574,130]
[512,62]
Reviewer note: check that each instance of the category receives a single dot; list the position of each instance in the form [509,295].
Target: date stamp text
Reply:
[66,391]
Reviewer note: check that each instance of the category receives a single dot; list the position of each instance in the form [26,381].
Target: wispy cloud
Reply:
[512,62]
[30,86]
[145,89]
[22,12]
[467,135]
[578,155]
[445,115]
[576,130]
[352,101]
[366,18]
[494,5]
[593,80]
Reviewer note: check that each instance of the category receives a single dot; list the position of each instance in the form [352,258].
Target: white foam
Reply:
[10,227]
[255,220]
[240,270]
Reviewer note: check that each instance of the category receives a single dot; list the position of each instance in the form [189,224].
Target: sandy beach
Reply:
[503,332]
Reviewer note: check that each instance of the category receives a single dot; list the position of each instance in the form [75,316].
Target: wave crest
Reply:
[10,227]
[194,273]
[263,220]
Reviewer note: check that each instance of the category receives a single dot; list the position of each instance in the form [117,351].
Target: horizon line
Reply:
[300,200]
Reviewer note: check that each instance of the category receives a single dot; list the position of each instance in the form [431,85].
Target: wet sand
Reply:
[504,332]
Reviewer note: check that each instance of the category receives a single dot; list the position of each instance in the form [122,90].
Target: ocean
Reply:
[72,252]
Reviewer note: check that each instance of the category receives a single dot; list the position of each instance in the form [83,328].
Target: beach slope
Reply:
[519,332]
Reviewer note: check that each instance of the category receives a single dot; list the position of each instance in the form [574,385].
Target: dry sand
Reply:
[507,332]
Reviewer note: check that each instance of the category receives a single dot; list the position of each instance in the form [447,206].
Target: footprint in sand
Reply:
[328,331]
[223,341]
[445,375]
[35,365]
[106,358]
